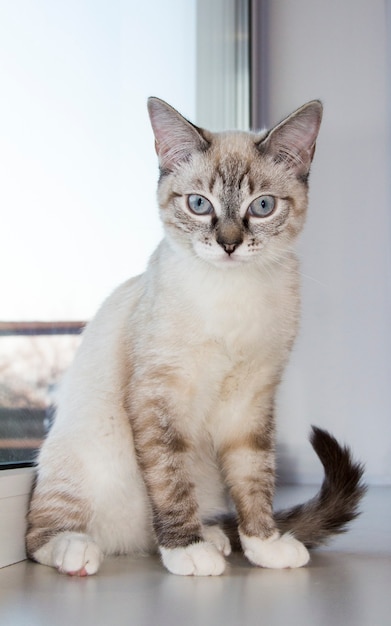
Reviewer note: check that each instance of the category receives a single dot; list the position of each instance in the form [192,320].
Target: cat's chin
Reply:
[227,262]
[224,261]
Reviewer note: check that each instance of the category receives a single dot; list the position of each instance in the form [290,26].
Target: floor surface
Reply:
[347,584]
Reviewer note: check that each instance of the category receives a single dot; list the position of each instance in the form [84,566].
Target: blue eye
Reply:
[262,206]
[199,205]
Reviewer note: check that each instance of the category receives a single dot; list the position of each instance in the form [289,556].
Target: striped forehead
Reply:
[231,181]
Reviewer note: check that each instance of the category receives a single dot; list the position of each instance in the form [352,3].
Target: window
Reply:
[33,357]
[79,177]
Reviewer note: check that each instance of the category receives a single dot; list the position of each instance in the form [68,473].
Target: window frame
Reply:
[223,64]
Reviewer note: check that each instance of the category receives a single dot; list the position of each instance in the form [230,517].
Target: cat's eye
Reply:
[262,206]
[199,205]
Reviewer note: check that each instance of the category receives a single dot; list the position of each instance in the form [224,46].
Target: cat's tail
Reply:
[334,506]
[336,503]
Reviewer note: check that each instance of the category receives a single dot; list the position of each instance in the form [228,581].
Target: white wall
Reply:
[340,373]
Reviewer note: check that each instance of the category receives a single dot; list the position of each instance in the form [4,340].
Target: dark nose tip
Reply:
[230,247]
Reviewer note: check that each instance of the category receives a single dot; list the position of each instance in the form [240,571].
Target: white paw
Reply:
[276,552]
[71,553]
[214,535]
[197,559]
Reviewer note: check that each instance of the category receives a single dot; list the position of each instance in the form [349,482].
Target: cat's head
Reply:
[234,197]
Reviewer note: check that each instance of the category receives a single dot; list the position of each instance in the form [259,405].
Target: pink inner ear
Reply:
[175,138]
[293,140]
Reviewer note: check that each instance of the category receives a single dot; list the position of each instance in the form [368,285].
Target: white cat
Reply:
[164,434]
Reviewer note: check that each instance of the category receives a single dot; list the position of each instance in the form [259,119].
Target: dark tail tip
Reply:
[343,474]
[337,502]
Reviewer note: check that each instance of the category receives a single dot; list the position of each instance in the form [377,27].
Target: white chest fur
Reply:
[244,308]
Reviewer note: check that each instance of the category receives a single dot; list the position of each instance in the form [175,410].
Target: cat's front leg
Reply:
[248,465]
[275,552]
[162,453]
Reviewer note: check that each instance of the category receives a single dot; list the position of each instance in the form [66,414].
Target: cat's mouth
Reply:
[227,261]
[216,256]
[232,259]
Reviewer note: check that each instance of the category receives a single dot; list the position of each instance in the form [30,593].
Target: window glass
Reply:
[33,357]
[79,175]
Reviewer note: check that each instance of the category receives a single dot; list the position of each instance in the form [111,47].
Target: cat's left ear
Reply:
[293,140]
[175,137]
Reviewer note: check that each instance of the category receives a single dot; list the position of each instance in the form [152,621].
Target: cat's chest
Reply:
[244,314]
[215,320]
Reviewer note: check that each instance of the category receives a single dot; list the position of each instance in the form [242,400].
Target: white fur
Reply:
[197,559]
[275,552]
[71,553]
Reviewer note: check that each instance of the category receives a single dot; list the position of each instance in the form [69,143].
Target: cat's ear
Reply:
[293,140]
[175,137]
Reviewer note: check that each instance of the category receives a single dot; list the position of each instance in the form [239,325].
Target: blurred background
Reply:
[78,184]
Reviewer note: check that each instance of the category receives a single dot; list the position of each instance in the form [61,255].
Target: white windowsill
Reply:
[15,486]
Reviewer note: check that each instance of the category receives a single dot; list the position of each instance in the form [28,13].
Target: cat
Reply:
[164,437]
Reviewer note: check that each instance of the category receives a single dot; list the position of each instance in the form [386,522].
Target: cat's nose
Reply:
[230,247]
[229,235]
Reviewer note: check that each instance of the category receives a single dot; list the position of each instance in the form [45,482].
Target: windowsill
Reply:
[15,487]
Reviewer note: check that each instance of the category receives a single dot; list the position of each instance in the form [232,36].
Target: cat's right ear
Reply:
[175,137]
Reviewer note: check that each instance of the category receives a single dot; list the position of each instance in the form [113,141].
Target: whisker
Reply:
[278,259]
[315,280]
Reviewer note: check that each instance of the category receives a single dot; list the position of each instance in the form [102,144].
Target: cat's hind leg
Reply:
[57,533]
[216,536]
[59,518]
[71,553]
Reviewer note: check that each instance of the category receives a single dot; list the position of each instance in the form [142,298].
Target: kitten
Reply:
[164,434]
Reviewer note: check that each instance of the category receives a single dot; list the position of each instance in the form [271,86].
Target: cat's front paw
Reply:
[275,552]
[197,559]
[71,553]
